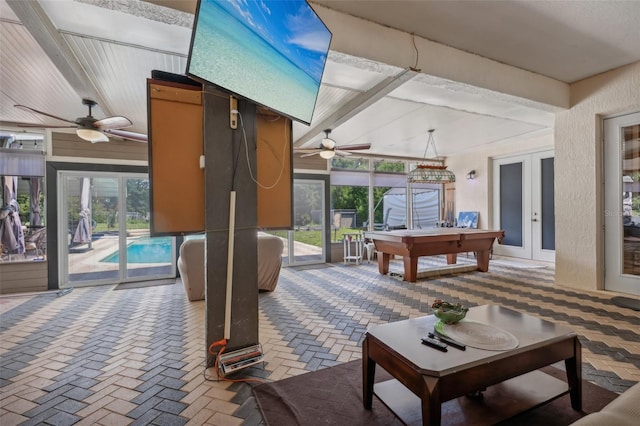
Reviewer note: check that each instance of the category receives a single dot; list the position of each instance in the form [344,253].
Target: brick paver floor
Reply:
[98,355]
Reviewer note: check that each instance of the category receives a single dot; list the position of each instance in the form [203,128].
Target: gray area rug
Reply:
[333,396]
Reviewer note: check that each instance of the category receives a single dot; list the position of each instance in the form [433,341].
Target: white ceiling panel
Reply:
[399,127]
[118,42]
[117,26]
[28,77]
[120,73]
[343,79]
[329,99]
[6,13]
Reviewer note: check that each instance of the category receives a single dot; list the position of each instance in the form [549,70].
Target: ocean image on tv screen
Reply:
[270,52]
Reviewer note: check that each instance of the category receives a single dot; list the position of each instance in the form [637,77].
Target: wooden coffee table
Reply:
[425,378]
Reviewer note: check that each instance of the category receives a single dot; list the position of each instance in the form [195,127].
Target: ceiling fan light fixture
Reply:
[91,135]
[327,154]
[327,142]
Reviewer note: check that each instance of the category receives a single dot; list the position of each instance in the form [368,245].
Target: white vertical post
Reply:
[232,225]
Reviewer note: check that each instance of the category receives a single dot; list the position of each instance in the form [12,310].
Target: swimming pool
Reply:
[145,250]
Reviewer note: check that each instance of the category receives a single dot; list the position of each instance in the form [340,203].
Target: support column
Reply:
[226,170]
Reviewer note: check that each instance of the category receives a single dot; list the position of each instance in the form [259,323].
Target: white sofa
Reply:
[192,271]
[622,411]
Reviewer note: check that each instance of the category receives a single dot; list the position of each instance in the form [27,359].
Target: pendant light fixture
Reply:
[431,173]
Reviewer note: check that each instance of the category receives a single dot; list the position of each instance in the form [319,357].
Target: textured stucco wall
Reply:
[477,195]
[578,172]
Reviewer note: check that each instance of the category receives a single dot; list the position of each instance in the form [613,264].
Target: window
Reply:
[364,190]
[22,222]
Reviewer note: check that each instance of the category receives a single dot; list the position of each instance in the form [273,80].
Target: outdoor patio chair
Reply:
[36,241]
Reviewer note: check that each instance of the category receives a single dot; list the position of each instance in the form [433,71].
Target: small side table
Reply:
[353,247]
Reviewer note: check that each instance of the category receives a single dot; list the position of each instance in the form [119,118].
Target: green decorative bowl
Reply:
[449,313]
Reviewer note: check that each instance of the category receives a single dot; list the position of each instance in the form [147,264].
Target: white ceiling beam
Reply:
[365,39]
[188,6]
[37,22]
[357,105]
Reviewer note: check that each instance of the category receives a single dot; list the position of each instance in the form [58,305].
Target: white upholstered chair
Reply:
[192,269]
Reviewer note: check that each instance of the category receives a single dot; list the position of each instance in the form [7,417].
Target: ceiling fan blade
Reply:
[103,138]
[310,154]
[138,137]
[306,150]
[342,153]
[45,126]
[110,123]
[26,108]
[355,147]
[91,135]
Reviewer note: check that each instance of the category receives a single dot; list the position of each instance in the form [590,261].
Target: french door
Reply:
[523,188]
[306,242]
[622,203]
[103,231]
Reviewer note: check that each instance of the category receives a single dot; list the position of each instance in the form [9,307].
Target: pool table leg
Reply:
[452,258]
[410,268]
[483,260]
[383,263]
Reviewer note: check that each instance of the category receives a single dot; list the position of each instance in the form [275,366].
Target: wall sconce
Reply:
[471,175]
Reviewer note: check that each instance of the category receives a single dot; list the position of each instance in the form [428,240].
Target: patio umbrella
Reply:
[10,227]
[11,233]
[34,217]
[7,237]
[10,189]
[83,232]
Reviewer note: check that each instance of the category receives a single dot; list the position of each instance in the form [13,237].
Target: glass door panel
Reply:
[543,232]
[90,242]
[622,204]
[145,256]
[631,199]
[512,205]
[285,250]
[524,205]
[105,240]
[306,241]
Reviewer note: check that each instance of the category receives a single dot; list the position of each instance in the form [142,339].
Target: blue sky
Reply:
[290,26]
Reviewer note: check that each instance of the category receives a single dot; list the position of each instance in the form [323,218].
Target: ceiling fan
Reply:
[328,148]
[90,128]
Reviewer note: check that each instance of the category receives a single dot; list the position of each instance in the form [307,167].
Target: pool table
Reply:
[411,244]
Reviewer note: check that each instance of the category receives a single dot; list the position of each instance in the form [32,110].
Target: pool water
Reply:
[145,250]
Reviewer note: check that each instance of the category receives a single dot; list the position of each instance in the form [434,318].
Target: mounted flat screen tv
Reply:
[270,52]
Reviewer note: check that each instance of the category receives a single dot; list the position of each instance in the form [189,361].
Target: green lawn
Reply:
[102,226]
[313,237]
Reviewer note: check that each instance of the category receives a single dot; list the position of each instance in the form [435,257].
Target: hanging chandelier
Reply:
[431,173]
